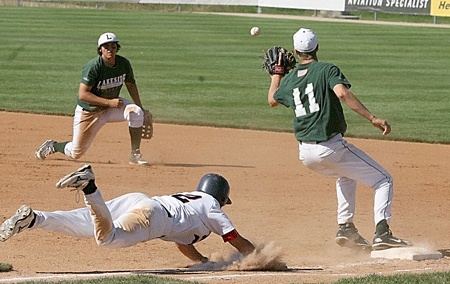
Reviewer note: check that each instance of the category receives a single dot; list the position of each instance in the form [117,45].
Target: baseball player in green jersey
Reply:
[314,91]
[98,103]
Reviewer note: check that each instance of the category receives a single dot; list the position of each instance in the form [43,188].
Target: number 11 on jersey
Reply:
[300,109]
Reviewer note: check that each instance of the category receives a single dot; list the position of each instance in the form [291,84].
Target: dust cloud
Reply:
[266,257]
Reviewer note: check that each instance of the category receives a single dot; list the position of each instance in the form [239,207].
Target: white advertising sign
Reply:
[327,5]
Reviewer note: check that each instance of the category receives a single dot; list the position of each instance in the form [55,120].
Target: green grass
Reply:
[428,278]
[138,279]
[5,267]
[205,69]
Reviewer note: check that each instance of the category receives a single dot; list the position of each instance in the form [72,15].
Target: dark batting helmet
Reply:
[217,186]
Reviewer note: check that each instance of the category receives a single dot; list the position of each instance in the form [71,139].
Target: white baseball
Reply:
[255,31]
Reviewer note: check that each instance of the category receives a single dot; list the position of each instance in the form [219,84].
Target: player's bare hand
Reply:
[382,124]
[115,103]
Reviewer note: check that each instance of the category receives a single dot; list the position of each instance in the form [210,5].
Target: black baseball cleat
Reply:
[386,240]
[348,236]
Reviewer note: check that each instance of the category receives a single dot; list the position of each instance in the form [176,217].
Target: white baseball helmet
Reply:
[107,37]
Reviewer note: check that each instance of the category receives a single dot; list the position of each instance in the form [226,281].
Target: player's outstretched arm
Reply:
[192,253]
[344,94]
[243,245]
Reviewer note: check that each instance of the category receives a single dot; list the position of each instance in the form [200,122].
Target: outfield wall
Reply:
[414,7]
[434,8]
[326,5]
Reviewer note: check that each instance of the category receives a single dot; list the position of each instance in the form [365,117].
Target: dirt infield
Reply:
[275,200]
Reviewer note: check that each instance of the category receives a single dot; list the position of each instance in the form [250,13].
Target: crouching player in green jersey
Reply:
[99,103]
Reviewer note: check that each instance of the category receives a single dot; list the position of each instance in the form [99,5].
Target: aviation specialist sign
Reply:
[390,6]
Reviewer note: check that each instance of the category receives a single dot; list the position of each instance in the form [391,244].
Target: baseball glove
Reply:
[277,60]
[147,127]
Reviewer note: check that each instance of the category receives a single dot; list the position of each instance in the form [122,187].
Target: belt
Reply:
[335,137]
[308,142]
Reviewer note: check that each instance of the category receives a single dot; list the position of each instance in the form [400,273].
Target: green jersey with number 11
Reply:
[308,91]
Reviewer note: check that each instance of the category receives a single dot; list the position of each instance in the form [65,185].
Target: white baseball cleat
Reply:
[17,223]
[136,158]
[45,150]
[77,179]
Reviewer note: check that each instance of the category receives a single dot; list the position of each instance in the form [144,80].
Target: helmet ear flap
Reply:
[216,186]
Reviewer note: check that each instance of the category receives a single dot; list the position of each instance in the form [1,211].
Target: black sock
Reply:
[90,187]
[136,136]
[382,227]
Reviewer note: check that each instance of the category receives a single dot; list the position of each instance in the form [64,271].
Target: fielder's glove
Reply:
[147,127]
[278,61]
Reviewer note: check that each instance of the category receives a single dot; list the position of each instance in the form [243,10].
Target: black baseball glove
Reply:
[277,60]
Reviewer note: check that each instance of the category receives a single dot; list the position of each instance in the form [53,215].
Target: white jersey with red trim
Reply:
[194,216]
[184,218]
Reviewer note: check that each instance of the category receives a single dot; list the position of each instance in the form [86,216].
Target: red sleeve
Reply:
[230,236]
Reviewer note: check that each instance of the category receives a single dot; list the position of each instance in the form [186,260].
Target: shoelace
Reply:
[78,189]
[49,150]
